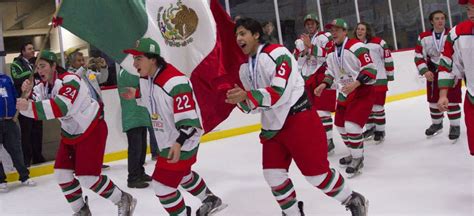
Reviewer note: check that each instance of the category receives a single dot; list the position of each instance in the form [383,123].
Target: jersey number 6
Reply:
[367,58]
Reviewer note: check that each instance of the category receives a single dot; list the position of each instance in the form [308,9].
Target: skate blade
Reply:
[435,134]
[369,138]
[379,142]
[454,141]
[353,175]
[218,209]
[343,165]
[358,172]
[132,206]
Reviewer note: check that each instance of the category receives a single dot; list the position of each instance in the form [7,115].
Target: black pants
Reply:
[136,152]
[10,138]
[31,140]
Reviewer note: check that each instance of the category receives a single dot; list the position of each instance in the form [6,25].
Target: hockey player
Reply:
[291,129]
[382,58]
[66,97]
[458,61]
[351,68]
[168,95]
[427,58]
[310,53]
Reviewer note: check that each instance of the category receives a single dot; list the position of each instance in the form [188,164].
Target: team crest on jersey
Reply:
[177,24]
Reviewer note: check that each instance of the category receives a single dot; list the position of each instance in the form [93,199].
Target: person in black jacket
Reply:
[31,130]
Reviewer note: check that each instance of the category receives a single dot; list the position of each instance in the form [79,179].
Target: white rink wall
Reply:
[406,74]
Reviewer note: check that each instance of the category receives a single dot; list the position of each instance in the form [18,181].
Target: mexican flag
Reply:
[196,36]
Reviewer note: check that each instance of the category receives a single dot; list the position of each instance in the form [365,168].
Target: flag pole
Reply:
[43,44]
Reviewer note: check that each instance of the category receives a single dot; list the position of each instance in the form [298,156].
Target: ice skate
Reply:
[379,137]
[355,167]
[369,133]
[454,133]
[434,130]
[345,161]
[126,205]
[357,204]
[211,205]
[331,147]
[300,207]
[85,211]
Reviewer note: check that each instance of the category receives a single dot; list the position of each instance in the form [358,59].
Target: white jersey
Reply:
[308,64]
[382,59]
[458,58]
[68,100]
[345,65]
[274,85]
[428,49]
[171,102]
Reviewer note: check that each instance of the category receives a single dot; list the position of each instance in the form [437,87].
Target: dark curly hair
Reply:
[369,32]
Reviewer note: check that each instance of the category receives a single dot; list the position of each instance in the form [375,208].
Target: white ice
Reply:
[406,175]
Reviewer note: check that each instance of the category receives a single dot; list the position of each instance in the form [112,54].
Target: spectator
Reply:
[93,75]
[96,69]
[10,133]
[31,130]
[111,66]
[269,33]
[135,121]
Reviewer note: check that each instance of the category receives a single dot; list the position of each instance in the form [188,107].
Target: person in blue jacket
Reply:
[10,133]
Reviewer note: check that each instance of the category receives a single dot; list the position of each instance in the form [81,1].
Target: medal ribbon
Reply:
[339,57]
[253,68]
[438,43]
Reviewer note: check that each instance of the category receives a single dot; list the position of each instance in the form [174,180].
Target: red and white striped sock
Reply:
[326,119]
[454,114]
[332,184]
[103,186]
[282,189]
[436,114]
[195,185]
[71,188]
[170,198]
[355,139]
[378,113]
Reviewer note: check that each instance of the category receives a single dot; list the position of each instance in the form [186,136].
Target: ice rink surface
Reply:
[406,175]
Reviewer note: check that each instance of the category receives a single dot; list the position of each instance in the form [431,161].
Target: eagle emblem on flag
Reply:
[177,24]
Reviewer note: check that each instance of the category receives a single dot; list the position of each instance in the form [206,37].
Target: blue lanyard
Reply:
[253,68]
